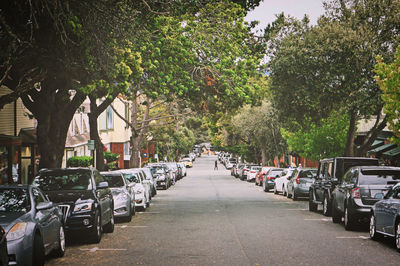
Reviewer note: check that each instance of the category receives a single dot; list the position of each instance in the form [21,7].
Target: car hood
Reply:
[6,218]
[69,195]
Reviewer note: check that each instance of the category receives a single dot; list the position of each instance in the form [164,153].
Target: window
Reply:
[127,150]
[98,178]
[107,119]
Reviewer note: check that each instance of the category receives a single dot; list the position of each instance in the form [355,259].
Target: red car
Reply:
[260,175]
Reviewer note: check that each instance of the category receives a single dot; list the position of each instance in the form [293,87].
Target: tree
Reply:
[323,140]
[316,70]
[258,127]
[388,78]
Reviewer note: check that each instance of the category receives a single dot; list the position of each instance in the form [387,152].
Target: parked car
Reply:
[269,178]
[251,176]
[187,162]
[300,182]
[182,166]
[330,173]
[153,183]
[261,173]
[142,191]
[3,247]
[355,194]
[33,225]
[385,216]
[123,195]
[281,182]
[244,171]
[238,169]
[84,198]
[160,172]
[230,162]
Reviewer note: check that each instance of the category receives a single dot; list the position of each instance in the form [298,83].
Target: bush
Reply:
[80,161]
[111,157]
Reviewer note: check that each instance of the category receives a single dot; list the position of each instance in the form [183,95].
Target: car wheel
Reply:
[348,219]
[129,217]
[336,217]
[372,229]
[38,250]
[397,236]
[275,191]
[312,207]
[326,208]
[133,209]
[109,228]
[97,230]
[60,251]
[265,188]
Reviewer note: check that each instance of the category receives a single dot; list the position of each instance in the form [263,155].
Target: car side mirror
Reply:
[102,185]
[44,205]
[379,196]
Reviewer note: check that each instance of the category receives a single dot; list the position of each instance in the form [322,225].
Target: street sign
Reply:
[90,144]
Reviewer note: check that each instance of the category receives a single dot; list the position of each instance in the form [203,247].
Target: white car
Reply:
[282,181]
[140,185]
[251,174]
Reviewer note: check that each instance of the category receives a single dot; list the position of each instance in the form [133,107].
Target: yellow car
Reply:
[187,162]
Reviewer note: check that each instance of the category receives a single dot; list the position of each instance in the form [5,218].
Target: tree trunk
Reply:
[263,156]
[94,134]
[53,114]
[134,161]
[349,152]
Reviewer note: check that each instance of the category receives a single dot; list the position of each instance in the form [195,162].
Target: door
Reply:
[46,220]
[104,197]
[389,211]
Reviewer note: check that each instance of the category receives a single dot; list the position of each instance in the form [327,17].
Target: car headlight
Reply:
[81,207]
[17,231]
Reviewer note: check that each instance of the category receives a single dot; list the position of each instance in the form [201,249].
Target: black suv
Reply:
[84,198]
[359,190]
[330,173]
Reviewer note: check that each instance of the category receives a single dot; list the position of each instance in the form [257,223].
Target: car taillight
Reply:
[252,172]
[270,178]
[355,193]
[298,180]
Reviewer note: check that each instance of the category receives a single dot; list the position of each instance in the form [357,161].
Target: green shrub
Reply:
[80,161]
[111,157]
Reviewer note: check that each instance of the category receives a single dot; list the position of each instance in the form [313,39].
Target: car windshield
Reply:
[132,177]
[14,200]
[379,177]
[65,180]
[114,180]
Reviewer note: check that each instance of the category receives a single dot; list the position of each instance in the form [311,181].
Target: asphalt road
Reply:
[211,218]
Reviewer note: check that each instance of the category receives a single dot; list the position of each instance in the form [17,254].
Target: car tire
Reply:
[348,220]
[97,230]
[38,250]
[109,227]
[129,217]
[372,228]
[265,188]
[60,250]
[397,236]
[336,217]
[312,207]
[326,206]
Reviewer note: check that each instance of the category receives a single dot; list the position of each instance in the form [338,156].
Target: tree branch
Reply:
[125,120]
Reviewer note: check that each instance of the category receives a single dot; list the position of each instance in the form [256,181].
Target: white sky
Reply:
[266,11]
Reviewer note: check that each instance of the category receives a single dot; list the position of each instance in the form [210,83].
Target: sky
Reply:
[266,11]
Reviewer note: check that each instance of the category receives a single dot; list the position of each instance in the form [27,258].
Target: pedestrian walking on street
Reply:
[216,165]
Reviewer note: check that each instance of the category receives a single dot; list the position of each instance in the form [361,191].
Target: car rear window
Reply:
[379,177]
[308,173]
[275,172]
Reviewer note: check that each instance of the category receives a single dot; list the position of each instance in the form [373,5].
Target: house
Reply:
[18,148]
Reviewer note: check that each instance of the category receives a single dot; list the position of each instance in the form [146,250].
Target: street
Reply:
[211,218]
